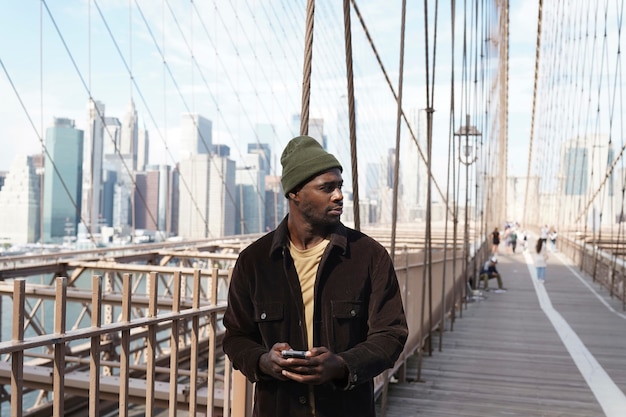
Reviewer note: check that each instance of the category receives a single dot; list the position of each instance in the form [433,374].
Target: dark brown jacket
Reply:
[358,314]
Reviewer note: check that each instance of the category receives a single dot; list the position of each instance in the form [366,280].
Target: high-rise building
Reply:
[152,192]
[414,173]
[275,202]
[112,134]
[19,203]
[584,160]
[109,181]
[316,129]
[118,192]
[146,199]
[196,135]
[206,196]
[250,195]
[171,221]
[129,138]
[193,197]
[62,193]
[143,149]
[93,159]
[221,213]
[265,153]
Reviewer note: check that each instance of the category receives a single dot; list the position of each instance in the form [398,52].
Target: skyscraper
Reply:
[19,203]
[414,174]
[196,134]
[265,153]
[584,162]
[62,181]
[193,197]
[221,214]
[316,129]
[143,149]
[151,198]
[250,196]
[93,159]
[129,138]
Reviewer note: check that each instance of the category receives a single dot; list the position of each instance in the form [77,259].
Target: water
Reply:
[44,318]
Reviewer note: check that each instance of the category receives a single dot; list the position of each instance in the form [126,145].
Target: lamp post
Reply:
[467,159]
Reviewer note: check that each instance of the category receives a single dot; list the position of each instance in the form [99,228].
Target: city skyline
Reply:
[251,75]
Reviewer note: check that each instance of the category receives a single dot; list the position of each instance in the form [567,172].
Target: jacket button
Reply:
[263,316]
[302,399]
[354,378]
[352,313]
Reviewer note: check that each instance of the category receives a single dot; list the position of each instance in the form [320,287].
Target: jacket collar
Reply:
[338,237]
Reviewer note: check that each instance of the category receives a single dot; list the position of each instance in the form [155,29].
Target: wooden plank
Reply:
[505,358]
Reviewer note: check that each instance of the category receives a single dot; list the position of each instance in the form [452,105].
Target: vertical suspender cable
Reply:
[394,215]
[534,112]
[451,158]
[42,134]
[351,114]
[306,76]
[396,171]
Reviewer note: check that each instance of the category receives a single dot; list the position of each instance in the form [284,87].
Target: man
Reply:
[317,286]
[489,271]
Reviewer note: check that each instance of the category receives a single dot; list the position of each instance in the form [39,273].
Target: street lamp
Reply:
[467,158]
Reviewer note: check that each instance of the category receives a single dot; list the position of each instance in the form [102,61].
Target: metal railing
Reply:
[160,347]
[605,264]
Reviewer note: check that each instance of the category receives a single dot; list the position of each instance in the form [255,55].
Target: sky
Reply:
[238,63]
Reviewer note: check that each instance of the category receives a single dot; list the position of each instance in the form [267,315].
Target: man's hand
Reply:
[272,362]
[320,366]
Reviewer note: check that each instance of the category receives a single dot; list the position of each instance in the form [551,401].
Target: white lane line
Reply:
[609,396]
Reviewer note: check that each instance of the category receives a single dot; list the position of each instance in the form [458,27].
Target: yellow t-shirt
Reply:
[306,262]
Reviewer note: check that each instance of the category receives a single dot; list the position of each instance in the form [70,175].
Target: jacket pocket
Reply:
[268,312]
[349,324]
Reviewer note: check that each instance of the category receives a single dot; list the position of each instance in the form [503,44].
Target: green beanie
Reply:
[302,159]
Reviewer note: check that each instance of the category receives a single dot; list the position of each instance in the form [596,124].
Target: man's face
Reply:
[320,200]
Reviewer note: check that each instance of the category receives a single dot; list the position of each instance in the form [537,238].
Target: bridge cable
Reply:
[427,276]
[351,115]
[306,71]
[396,164]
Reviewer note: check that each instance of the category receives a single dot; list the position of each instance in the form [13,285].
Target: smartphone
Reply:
[301,354]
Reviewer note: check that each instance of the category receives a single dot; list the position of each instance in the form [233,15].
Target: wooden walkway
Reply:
[553,349]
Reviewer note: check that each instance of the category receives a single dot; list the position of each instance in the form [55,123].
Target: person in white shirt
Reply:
[541,256]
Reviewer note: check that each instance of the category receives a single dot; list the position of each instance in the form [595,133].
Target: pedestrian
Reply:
[513,240]
[541,256]
[314,285]
[543,233]
[552,237]
[489,271]
[495,241]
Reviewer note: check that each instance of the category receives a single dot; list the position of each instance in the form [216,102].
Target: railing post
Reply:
[242,396]
[210,399]
[94,355]
[174,345]
[125,346]
[195,338]
[151,350]
[60,304]
[17,357]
